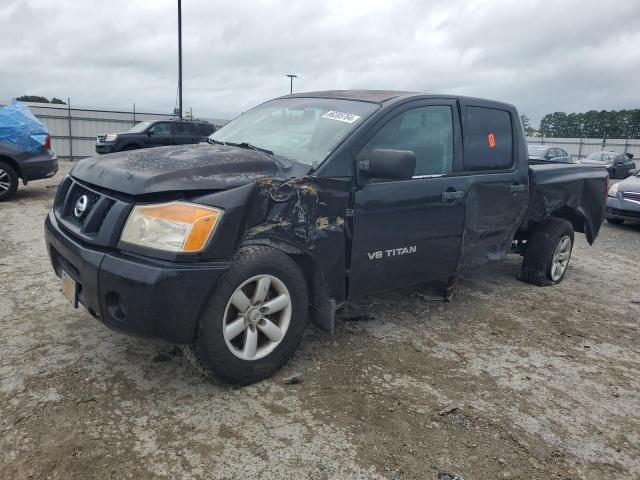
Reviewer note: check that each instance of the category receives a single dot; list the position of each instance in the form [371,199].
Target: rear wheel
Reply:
[8,181]
[548,252]
[254,320]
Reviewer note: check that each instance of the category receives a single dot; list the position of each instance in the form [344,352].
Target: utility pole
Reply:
[291,77]
[70,132]
[180,59]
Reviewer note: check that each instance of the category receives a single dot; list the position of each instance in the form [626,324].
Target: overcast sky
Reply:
[541,56]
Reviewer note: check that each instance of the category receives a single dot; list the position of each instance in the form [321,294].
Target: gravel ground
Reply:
[506,381]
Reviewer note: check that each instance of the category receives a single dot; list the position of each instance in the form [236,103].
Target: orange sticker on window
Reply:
[492,140]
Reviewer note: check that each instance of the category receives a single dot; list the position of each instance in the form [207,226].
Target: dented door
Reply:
[496,167]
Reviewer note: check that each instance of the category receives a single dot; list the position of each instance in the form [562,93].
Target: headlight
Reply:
[613,191]
[173,227]
[110,137]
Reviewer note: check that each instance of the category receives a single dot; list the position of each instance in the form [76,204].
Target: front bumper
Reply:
[139,296]
[619,207]
[105,147]
[44,164]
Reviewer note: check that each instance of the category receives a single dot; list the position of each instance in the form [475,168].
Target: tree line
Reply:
[39,99]
[592,124]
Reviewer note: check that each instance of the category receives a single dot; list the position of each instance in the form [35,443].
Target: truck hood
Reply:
[630,184]
[596,163]
[182,168]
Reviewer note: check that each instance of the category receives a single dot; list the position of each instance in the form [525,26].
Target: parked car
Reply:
[547,153]
[227,248]
[25,149]
[623,200]
[617,164]
[155,134]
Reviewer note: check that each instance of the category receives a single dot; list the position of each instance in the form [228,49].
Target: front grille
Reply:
[631,196]
[76,195]
[83,212]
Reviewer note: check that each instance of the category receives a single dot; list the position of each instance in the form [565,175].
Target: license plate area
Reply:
[69,288]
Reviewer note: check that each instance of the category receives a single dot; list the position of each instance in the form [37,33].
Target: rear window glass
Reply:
[488,139]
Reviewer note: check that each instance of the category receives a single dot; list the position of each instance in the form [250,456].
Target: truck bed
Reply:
[568,188]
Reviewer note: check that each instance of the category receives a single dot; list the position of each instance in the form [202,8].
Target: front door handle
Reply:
[515,188]
[452,195]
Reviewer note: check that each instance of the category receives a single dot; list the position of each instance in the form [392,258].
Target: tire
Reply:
[129,147]
[615,221]
[224,359]
[546,246]
[8,181]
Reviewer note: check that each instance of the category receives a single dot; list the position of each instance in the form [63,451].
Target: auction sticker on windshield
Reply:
[341,116]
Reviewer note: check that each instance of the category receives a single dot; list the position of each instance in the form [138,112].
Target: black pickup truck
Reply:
[301,203]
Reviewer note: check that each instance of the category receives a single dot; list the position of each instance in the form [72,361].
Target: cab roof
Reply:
[385,96]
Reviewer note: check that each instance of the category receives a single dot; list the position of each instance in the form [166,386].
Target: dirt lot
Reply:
[506,381]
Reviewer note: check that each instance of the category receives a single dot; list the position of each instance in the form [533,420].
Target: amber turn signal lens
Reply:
[175,226]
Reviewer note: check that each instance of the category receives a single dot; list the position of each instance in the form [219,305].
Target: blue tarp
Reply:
[19,127]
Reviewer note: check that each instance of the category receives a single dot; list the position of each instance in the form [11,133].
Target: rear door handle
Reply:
[516,188]
[452,195]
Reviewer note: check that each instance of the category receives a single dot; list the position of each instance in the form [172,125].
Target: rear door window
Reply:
[184,129]
[205,129]
[488,139]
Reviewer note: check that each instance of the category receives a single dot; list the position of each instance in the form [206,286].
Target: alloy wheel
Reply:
[560,259]
[5,181]
[257,317]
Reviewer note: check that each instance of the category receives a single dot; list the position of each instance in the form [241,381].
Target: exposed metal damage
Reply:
[306,218]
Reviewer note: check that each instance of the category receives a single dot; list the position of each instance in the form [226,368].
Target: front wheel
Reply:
[615,221]
[548,252]
[254,320]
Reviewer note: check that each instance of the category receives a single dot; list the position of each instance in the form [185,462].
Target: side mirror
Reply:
[149,133]
[391,164]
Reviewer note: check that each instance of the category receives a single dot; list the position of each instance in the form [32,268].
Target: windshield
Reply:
[140,127]
[601,156]
[305,130]
[536,150]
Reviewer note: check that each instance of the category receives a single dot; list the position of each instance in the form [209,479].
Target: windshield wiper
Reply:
[249,146]
[239,145]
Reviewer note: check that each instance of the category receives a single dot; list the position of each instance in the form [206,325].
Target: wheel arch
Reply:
[130,146]
[579,220]
[322,300]
[12,163]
